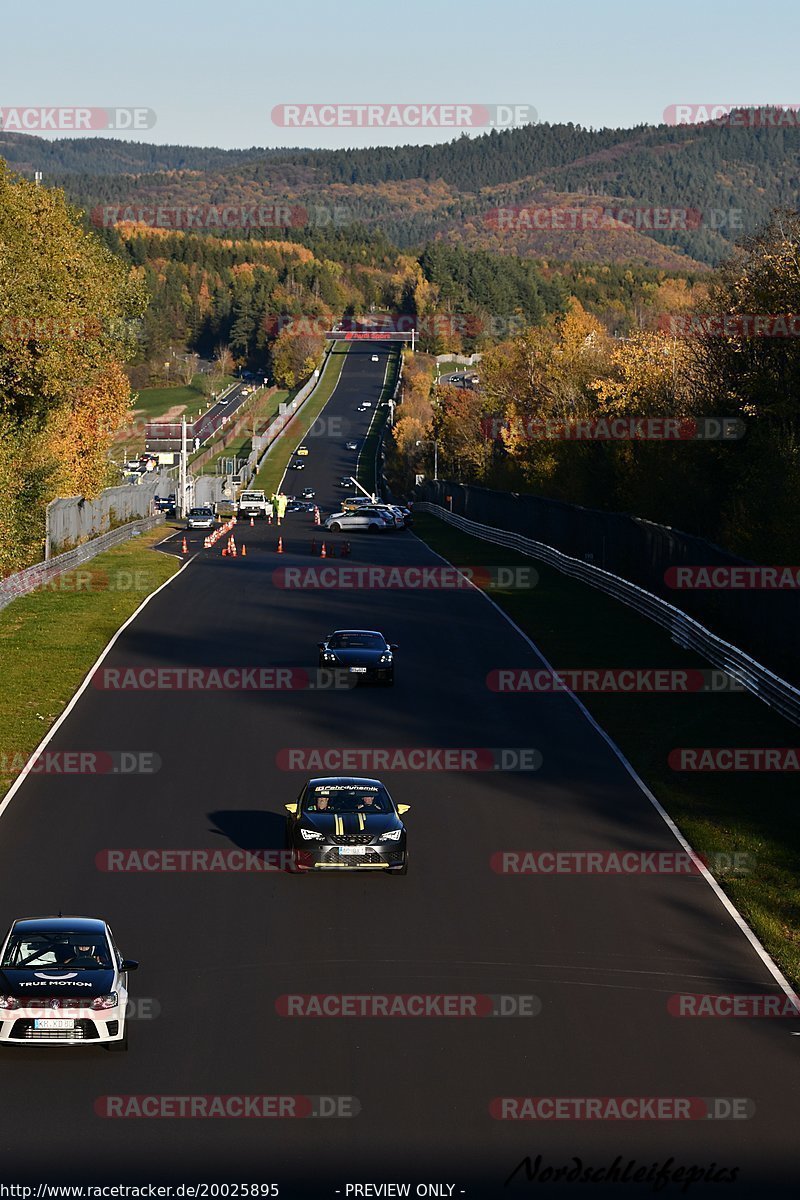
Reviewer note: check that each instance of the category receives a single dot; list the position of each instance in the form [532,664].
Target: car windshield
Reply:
[347,798]
[79,951]
[357,641]
[200,512]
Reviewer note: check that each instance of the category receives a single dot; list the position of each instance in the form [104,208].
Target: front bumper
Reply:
[90,1027]
[370,675]
[325,856]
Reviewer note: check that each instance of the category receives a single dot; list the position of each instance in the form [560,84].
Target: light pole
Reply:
[434,442]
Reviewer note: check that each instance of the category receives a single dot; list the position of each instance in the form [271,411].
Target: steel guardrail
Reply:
[780,695]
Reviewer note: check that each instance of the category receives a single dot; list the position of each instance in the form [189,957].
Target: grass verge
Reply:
[50,638]
[722,814]
[366,467]
[281,451]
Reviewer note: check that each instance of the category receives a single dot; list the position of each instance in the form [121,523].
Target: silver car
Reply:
[361,520]
[200,518]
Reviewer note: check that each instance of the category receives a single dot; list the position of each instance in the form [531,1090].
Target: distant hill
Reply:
[729,179]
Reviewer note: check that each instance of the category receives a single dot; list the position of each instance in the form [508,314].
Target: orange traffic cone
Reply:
[316,515]
[280,545]
[224,551]
[252,523]
[244,551]
[233,550]
[184,547]
[323,552]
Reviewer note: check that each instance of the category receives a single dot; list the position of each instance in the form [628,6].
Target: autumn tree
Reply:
[68,313]
[295,356]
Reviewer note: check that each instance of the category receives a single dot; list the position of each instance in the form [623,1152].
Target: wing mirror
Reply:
[321,645]
[403,808]
[292,808]
[393,646]
[129,964]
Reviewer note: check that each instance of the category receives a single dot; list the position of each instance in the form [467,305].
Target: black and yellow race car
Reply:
[347,823]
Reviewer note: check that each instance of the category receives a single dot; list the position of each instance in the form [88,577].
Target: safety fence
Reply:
[70,520]
[764,619]
[684,630]
[40,574]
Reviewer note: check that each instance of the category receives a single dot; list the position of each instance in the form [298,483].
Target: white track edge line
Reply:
[724,899]
[23,775]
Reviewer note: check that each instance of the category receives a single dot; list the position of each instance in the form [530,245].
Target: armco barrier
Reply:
[684,630]
[23,582]
[265,441]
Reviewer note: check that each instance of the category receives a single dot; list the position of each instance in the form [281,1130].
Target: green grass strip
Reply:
[280,453]
[722,814]
[50,638]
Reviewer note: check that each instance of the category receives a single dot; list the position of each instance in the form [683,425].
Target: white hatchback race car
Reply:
[63,982]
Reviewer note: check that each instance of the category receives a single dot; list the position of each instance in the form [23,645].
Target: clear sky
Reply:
[213,71]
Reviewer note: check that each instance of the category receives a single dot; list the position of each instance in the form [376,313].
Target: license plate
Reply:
[351,849]
[358,670]
[53,1023]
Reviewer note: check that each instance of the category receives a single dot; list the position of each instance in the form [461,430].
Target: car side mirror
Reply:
[292,808]
[393,646]
[403,808]
[129,964]
[320,645]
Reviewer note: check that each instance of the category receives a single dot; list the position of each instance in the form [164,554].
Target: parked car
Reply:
[253,504]
[373,522]
[200,518]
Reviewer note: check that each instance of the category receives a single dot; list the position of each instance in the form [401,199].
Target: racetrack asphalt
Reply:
[601,953]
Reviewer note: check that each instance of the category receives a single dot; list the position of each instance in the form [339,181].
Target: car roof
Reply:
[56,924]
[337,779]
[337,631]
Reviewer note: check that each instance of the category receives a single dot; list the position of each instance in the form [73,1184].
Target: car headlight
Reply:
[391,835]
[109,1001]
[385,658]
[9,1002]
[328,656]
[310,835]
